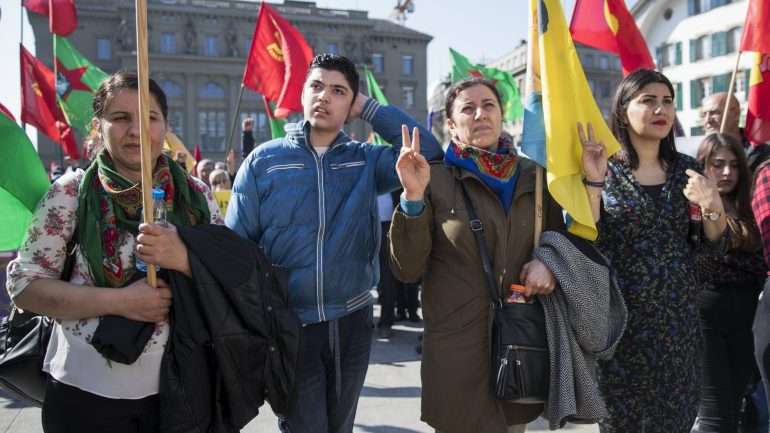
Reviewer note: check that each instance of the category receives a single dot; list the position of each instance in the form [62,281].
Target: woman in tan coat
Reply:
[431,239]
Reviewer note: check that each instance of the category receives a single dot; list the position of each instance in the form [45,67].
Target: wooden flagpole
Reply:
[730,94]
[538,204]
[143,75]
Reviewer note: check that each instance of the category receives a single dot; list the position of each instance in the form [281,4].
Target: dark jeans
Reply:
[762,338]
[71,410]
[388,286]
[331,368]
[726,315]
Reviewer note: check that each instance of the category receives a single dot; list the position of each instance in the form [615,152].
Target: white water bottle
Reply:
[158,217]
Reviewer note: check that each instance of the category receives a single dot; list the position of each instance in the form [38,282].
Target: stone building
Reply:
[198,50]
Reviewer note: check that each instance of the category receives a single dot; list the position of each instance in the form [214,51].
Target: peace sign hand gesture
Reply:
[594,159]
[412,168]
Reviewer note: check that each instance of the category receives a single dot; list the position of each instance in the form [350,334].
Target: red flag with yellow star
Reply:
[277,62]
[38,104]
[755,35]
[608,26]
[758,115]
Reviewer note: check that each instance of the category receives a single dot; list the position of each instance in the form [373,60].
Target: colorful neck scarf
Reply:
[109,204]
[498,170]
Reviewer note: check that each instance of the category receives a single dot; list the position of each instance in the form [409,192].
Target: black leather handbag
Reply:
[519,348]
[24,340]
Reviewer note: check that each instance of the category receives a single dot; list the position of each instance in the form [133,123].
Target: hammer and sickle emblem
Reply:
[274,49]
[36,89]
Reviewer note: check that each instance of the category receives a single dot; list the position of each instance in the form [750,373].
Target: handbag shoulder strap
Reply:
[477,228]
[69,261]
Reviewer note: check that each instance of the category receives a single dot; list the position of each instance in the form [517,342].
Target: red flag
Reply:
[197,153]
[758,115]
[38,104]
[6,112]
[277,62]
[608,26]
[62,14]
[756,36]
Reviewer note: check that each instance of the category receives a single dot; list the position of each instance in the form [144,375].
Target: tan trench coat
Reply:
[439,247]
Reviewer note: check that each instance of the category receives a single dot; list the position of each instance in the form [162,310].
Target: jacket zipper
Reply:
[321,228]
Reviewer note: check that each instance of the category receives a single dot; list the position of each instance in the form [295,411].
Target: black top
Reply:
[653,190]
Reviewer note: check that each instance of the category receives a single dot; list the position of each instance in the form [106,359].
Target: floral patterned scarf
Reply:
[498,170]
[110,205]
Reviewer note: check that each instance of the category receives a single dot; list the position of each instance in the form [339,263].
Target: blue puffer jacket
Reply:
[317,215]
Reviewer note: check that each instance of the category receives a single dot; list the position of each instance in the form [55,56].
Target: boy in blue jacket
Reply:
[310,200]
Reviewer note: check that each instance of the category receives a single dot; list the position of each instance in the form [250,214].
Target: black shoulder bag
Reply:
[24,337]
[520,370]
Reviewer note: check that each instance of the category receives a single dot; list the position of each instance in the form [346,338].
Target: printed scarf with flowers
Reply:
[498,170]
[108,203]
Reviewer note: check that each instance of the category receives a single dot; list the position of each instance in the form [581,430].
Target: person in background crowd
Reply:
[219,180]
[204,169]
[388,287]
[713,111]
[431,239]
[760,204]
[730,282]
[651,383]
[310,200]
[247,140]
[101,208]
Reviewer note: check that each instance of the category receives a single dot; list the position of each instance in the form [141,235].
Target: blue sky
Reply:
[481,29]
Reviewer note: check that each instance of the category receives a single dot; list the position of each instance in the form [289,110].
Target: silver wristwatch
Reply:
[711,215]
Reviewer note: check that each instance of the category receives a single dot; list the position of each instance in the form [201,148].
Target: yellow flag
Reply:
[175,145]
[550,130]
[223,199]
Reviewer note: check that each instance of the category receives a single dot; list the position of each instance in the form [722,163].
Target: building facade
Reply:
[696,46]
[602,70]
[198,49]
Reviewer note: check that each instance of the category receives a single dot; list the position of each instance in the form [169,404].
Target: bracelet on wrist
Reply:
[587,182]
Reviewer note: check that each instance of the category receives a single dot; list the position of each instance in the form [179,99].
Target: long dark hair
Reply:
[741,195]
[627,90]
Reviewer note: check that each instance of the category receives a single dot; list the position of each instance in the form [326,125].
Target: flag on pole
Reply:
[756,36]
[558,97]
[509,91]
[758,114]
[173,144]
[76,81]
[607,25]
[276,125]
[62,14]
[277,61]
[374,91]
[38,104]
[23,182]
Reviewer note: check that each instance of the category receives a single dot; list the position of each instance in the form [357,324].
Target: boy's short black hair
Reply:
[341,64]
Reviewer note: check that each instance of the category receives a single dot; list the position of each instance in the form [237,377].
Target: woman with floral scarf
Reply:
[100,209]
[430,238]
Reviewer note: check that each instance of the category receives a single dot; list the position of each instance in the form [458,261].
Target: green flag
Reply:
[23,182]
[509,91]
[276,125]
[375,92]
[76,81]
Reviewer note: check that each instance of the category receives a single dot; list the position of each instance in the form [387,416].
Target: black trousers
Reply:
[726,315]
[71,410]
[389,286]
[762,338]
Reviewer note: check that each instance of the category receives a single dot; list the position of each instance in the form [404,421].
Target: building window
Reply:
[331,48]
[678,97]
[604,88]
[407,65]
[718,44]
[696,131]
[663,54]
[211,127]
[378,63]
[408,96]
[720,83]
[604,62]
[176,122]
[168,43]
[699,48]
[697,92]
[588,61]
[211,91]
[210,48]
[677,53]
[734,39]
[171,88]
[103,49]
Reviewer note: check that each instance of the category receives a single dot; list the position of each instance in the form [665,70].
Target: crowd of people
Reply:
[688,240]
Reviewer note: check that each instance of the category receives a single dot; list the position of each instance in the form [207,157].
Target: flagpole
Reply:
[56,91]
[730,94]
[142,68]
[234,122]
[21,44]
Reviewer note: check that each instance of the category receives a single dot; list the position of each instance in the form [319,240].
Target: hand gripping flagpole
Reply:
[143,76]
